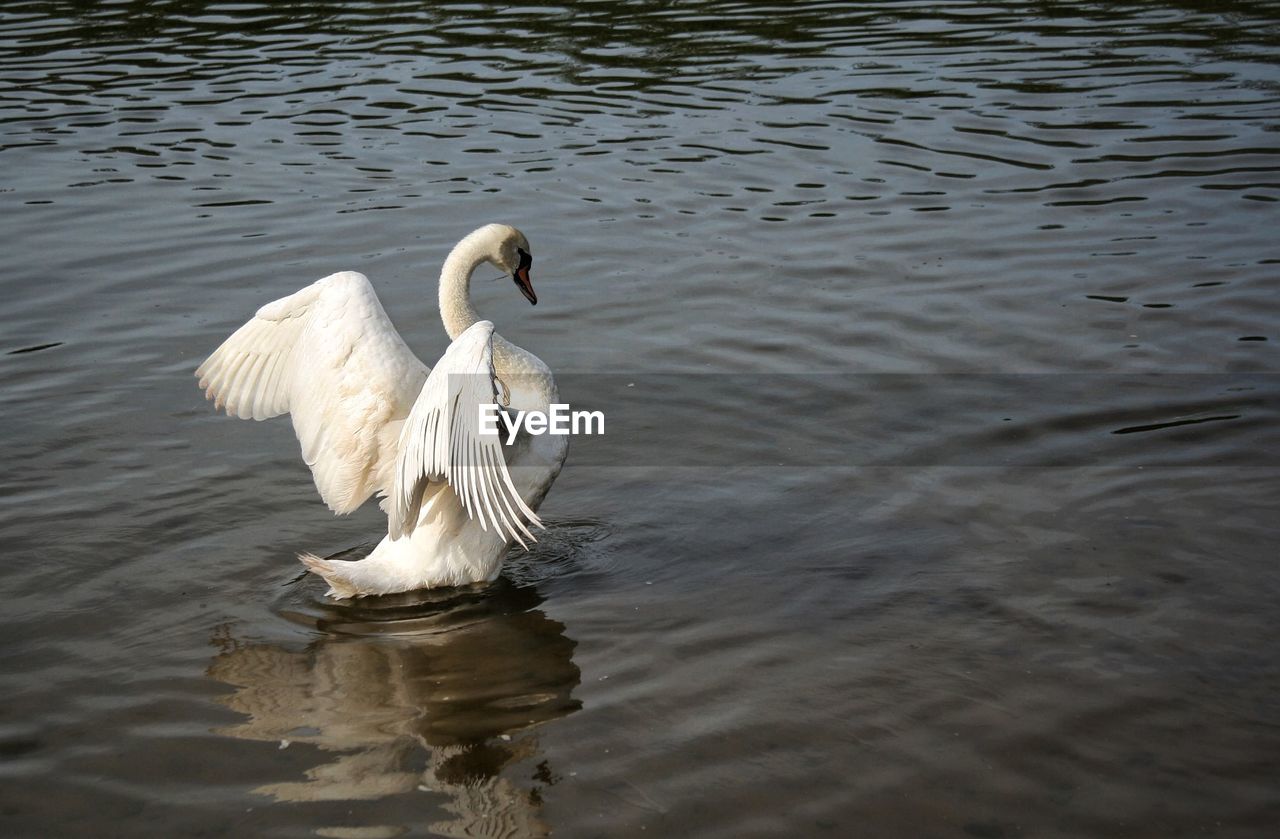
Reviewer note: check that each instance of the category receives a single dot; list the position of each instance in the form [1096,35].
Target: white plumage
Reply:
[330,357]
[372,418]
[441,440]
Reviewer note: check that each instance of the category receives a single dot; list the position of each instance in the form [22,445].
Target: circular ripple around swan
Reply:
[565,549]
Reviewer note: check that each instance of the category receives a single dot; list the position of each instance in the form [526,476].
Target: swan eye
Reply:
[525,260]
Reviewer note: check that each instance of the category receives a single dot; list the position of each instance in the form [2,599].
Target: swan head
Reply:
[510,253]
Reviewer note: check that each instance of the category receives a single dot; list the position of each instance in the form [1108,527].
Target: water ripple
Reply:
[729,188]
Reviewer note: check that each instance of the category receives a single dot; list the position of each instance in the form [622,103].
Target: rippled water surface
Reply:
[939,485]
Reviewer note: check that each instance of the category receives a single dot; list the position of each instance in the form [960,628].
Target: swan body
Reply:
[373,419]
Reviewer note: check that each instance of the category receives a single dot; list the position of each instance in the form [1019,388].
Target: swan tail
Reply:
[341,585]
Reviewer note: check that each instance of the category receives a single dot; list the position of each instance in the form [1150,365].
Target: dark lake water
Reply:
[937,345]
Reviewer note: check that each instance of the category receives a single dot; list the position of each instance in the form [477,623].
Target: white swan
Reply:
[372,418]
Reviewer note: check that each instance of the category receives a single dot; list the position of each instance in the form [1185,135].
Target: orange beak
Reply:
[521,276]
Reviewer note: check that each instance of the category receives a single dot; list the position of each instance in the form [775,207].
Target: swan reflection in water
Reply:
[460,675]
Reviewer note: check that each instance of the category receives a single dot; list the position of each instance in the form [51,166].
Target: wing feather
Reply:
[330,357]
[441,442]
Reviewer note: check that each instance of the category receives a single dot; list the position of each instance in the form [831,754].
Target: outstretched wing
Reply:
[330,357]
[441,441]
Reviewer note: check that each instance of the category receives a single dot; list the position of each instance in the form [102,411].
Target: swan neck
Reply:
[455,287]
